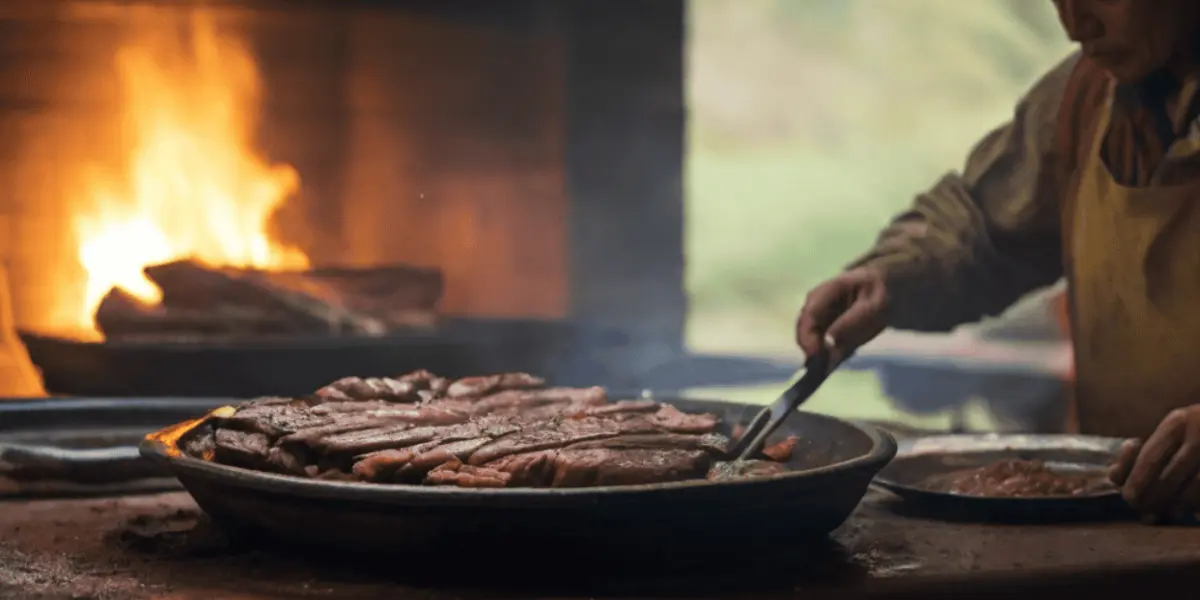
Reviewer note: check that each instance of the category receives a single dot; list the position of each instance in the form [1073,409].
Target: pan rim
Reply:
[883,449]
[989,443]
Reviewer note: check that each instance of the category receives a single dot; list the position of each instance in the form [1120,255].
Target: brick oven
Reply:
[531,150]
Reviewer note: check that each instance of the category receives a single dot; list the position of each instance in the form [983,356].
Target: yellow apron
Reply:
[1135,292]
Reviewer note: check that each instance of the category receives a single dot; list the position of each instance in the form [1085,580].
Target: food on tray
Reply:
[1019,479]
[505,430]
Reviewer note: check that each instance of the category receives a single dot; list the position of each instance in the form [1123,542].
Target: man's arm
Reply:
[977,241]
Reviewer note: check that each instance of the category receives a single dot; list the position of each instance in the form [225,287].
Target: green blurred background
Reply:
[812,122]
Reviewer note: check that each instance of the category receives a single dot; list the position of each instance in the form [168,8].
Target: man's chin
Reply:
[1126,73]
[1123,71]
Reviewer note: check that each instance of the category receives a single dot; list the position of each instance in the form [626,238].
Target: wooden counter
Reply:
[152,547]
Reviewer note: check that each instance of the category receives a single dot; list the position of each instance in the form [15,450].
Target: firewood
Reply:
[122,316]
[190,285]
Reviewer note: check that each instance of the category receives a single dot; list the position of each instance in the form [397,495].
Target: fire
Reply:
[195,186]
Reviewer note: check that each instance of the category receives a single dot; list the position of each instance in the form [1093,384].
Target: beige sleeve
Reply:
[979,240]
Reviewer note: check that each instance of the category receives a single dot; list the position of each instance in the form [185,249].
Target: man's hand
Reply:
[1159,477]
[850,309]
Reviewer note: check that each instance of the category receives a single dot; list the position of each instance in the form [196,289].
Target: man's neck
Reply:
[1184,71]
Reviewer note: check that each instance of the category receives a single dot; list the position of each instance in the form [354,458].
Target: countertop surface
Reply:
[160,546]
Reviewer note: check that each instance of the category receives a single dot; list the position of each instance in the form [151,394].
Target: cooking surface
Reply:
[154,547]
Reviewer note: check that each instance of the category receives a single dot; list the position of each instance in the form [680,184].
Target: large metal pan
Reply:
[85,446]
[715,522]
[920,459]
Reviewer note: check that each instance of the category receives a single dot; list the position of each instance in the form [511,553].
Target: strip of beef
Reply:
[381,465]
[579,410]
[432,416]
[299,421]
[586,467]
[713,443]
[622,407]
[545,435]
[377,438]
[401,436]
[275,419]
[489,384]
[427,458]
[452,444]
[405,388]
[745,469]
[309,436]
[462,475]
[528,469]
[372,388]
[781,451]
[288,459]
[459,405]
[265,401]
[572,410]
[267,418]
[604,466]
[530,399]
[670,418]
[242,448]
[559,433]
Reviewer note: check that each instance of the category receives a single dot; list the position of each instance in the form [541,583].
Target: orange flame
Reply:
[195,186]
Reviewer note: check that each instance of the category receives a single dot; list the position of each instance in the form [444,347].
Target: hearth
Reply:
[518,163]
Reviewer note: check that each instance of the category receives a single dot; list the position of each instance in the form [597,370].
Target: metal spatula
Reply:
[816,369]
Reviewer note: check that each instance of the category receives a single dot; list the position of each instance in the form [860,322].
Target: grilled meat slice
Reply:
[781,451]
[620,407]
[399,436]
[546,435]
[373,388]
[451,444]
[428,458]
[381,465]
[378,438]
[669,418]
[489,384]
[528,469]
[458,474]
[311,435]
[242,449]
[270,419]
[745,469]
[606,466]
[522,399]
[332,434]
[559,433]
[288,459]
[586,467]
[715,444]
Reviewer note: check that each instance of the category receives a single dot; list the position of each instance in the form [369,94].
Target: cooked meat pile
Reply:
[1019,479]
[506,430]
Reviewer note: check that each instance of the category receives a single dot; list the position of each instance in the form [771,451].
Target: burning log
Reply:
[189,285]
[400,296]
[122,316]
[198,299]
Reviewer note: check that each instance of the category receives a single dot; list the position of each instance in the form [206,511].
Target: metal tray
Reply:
[833,467]
[919,459]
[86,446]
[292,365]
